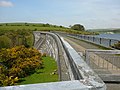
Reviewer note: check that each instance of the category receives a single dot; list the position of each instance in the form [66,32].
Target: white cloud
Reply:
[6,4]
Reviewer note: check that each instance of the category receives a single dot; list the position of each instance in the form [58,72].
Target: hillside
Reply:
[39,27]
[105,30]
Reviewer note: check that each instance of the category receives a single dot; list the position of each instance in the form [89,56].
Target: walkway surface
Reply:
[81,46]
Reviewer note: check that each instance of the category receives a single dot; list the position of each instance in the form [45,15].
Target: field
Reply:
[30,26]
[39,27]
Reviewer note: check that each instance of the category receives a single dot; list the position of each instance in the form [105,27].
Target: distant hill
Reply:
[116,30]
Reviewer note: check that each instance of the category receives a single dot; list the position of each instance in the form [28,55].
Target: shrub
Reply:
[4,79]
[78,27]
[5,42]
[117,45]
[20,37]
[44,55]
[20,62]
[8,80]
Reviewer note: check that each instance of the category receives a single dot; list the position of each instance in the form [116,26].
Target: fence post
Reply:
[87,57]
[88,37]
[110,42]
[84,36]
[100,40]
[93,39]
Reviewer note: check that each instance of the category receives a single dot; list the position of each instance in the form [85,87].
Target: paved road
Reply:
[81,46]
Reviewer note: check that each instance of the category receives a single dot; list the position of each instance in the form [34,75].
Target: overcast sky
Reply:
[90,13]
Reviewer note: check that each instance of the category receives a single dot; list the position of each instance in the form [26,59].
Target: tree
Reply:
[70,26]
[5,42]
[78,27]
[13,35]
[17,37]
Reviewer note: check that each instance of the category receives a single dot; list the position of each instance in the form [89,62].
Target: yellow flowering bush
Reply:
[19,62]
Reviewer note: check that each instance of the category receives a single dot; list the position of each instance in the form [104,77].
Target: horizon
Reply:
[92,14]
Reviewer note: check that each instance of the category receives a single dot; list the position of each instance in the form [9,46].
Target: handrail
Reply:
[108,43]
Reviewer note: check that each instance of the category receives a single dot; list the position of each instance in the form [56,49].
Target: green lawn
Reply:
[43,75]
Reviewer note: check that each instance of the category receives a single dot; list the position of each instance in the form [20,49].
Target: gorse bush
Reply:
[5,79]
[19,62]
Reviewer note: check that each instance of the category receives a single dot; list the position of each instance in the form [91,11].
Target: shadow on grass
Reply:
[21,80]
[38,72]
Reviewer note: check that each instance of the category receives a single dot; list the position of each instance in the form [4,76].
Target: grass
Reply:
[43,75]
[39,27]
[29,28]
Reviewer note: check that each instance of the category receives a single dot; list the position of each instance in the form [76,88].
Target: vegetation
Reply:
[78,27]
[105,30]
[40,27]
[5,42]
[11,38]
[18,62]
[117,45]
[47,74]
[31,26]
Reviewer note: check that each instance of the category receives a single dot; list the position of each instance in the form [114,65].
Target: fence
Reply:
[97,40]
[106,63]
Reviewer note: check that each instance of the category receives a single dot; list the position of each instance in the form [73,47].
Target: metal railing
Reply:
[96,40]
[106,63]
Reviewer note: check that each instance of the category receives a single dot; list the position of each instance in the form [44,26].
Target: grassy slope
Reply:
[43,75]
[28,27]
[39,27]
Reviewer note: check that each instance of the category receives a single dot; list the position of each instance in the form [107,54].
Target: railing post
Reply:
[84,36]
[87,57]
[88,37]
[93,39]
[110,42]
[100,40]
